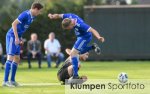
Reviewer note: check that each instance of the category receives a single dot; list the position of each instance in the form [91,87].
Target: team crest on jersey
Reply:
[26,26]
[70,17]
[78,24]
[76,31]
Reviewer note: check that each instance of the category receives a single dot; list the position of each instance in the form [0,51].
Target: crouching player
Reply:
[66,71]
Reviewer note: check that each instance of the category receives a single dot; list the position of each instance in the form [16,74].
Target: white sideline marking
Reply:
[40,84]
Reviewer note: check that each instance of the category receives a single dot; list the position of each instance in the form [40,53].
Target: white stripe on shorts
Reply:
[81,44]
[10,45]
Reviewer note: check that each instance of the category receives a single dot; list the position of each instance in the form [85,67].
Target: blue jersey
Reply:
[81,29]
[25,19]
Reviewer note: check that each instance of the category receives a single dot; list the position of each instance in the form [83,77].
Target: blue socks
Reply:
[75,66]
[87,49]
[13,72]
[9,65]
[7,70]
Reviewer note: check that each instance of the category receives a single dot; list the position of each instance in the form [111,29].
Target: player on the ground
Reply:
[84,36]
[13,36]
[66,71]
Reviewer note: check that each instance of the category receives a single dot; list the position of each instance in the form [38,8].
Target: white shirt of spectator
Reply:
[52,46]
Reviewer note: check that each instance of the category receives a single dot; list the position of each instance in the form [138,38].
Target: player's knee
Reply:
[10,58]
[74,53]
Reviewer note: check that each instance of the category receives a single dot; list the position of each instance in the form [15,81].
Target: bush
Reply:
[42,25]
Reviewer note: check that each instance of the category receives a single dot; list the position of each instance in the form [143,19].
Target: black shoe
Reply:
[97,49]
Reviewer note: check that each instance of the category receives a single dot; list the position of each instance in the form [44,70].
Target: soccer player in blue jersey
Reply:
[13,36]
[84,36]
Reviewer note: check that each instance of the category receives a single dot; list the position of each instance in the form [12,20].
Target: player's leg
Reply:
[80,79]
[14,65]
[87,49]
[10,55]
[84,47]
[79,44]
[75,57]
[7,71]
[70,69]
[94,47]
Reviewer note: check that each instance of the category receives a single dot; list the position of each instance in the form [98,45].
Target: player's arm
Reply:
[68,51]
[96,34]
[14,26]
[55,16]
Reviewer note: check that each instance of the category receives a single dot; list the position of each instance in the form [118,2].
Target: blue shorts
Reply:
[82,43]
[11,47]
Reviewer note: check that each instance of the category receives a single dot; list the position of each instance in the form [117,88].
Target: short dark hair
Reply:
[37,5]
[66,22]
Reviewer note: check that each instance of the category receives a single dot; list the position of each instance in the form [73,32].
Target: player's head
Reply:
[36,8]
[68,23]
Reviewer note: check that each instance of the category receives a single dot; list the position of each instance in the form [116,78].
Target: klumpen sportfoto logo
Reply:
[111,86]
[108,87]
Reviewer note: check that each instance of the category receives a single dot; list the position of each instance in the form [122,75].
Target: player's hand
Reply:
[50,16]
[17,41]
[21,42]
[84,57]
[101,39]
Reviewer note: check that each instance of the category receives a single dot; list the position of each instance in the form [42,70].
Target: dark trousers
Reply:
[2,60]
[38,56]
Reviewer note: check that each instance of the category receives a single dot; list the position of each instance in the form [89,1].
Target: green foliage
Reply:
[9,10]
[42,25]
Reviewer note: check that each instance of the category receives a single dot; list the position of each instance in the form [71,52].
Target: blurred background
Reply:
[125,24]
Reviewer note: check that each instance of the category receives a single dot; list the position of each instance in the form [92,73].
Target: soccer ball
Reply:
[123,77]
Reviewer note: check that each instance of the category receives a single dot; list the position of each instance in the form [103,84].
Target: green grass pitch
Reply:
[37,81]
